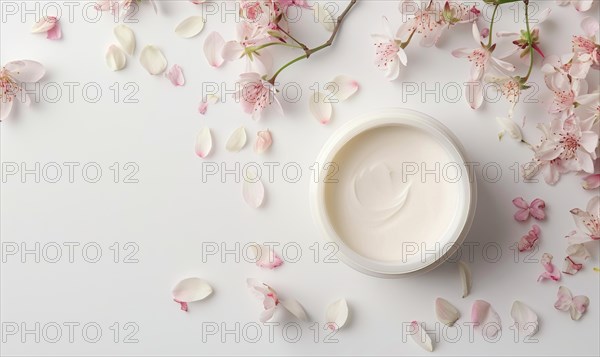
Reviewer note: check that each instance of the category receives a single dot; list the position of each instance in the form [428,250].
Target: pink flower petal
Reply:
[203,143]
[266,257]
[269,298]
[485,318]
[528,241]
[213,47]
[175,75]
[210,99]
[551,272]
[190,290]
[320,107]
[576,306]
[522,215]
[536,209]
[184,305]
[55,32]
[591,182]
[264,140]
[25,70]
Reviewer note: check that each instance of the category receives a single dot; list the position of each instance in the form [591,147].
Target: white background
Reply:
[171,212]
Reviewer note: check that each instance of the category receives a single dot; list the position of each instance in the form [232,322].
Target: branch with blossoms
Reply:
[263,26]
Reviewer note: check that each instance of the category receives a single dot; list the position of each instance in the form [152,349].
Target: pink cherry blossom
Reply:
[588,222]
[12,78]
[433,18]
[269,297]
[482,61]
[388,52]
[249,38]
[586,50]
[256,95]
[535,209]
[573,141]
[520,40]
[550,270]
[528,241]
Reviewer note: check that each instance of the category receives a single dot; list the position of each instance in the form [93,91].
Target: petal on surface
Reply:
[237,140]
[203,143]
[526,320]
[446,312]
[190,27]
[153,60]
[320,107]
[337,314]
[115,58]
[126,38]
[213,49]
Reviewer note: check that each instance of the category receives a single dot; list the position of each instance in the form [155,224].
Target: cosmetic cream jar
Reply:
[394,193]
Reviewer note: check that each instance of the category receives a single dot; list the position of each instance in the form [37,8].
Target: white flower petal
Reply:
[213,48]
[115,58]
[336,314]
[295,308]
[44,24]
[420,336]
[486,319]
[25,70]
[264,140]
[153,60]
[237,140]
[253,192]
[189,290]
[190,27]
[465,277]
[509,126]
[324,16]
[525,319]
[342,87]
[204,143]
[446,312]
[320,107]
[126,38]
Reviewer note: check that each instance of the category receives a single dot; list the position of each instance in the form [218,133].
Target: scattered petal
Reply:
[342,87]
[550,271]
[485,318]
[591,182]
[465,277]
[264,140]
[576,306]
[510,127]
[446,312]
[320,107]
[153,60]
[237,140]
[253,192]
[295,308]
[190,290]
[126,38]
[204,143]
[420,336]
[536,209]
[210,99]
[175,75]
[528,241]
[526,320]
[115,58]
[44,24]
[266,257]
[336,315]
[577,254]
[213,46]
[55,33]
[190,27]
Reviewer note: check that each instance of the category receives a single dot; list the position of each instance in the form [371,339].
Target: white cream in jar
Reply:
[396,196]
